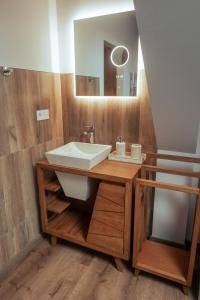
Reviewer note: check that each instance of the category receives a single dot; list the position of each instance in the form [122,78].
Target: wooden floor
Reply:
[71,272]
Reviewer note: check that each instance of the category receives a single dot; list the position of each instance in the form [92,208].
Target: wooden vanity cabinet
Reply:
[105,228]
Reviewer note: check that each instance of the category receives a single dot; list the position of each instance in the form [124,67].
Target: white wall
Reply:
[193,198]
[169,32]
[79,9]
[171,209]
[25,38]
[90,34]
[198,142]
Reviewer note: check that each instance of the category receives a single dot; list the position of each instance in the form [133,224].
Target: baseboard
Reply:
[15,261]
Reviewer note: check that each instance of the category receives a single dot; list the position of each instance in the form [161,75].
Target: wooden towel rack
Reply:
[176,264]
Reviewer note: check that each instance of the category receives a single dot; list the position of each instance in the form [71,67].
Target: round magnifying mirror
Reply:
[119,56]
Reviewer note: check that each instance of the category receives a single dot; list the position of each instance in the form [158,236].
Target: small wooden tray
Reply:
[127,158]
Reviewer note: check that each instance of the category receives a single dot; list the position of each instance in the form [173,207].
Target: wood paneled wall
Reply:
[87,85]
[147,135]
[23,141]
[130,118]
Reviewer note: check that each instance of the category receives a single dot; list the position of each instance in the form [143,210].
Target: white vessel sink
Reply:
[81,156]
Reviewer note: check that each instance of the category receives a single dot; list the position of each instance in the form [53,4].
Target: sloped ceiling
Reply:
[170,39]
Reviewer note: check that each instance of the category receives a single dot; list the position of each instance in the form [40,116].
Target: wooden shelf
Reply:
[56,205]
[53,186]
[169,262]
[72,224]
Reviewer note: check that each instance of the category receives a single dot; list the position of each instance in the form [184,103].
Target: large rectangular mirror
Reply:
[106,55]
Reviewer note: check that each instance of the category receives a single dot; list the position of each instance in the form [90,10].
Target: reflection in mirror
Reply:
[119,56]
[106,55]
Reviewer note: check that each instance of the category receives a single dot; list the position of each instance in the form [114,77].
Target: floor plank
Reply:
[71,272]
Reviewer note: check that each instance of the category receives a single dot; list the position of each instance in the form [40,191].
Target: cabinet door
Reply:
[106,228]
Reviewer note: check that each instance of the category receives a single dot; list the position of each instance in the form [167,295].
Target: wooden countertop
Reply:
[106,170]
[117,169]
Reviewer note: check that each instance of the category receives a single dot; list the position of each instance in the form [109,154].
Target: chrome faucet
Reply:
[88,134]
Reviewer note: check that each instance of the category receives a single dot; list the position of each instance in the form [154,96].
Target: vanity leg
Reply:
[54,240]
[136,272]
[119,264]
[185,290]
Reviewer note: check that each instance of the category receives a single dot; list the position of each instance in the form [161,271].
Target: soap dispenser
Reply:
[120,146]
